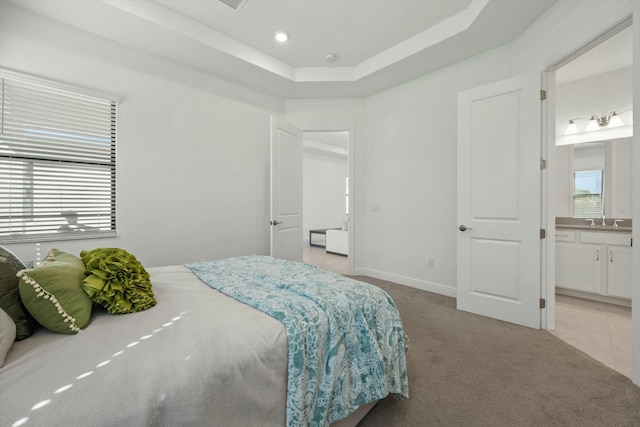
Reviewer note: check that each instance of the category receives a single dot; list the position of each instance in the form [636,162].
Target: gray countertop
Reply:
[589,228]
[565,223]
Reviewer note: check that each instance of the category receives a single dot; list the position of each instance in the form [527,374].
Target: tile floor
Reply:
[327,261]
[601,330]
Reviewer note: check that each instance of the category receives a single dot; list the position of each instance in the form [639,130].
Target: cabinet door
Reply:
[619,271]
[579,267]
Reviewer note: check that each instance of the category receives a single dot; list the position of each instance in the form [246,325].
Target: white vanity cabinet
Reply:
[598,262]
[579,267]
[619,271]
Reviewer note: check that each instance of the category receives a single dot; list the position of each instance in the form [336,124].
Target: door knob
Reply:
[275,222]
[464,228]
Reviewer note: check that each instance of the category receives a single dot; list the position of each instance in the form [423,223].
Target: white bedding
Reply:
[197,358]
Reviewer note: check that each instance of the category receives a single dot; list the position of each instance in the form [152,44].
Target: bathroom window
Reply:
[587,193]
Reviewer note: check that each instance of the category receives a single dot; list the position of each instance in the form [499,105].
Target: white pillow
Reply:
[7,334]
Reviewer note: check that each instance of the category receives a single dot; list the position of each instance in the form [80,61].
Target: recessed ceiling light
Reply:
[281,36]
[331,57]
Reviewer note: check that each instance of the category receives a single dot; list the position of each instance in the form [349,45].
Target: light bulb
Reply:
[571,128]
[281,36]
[615,121]
[592,125]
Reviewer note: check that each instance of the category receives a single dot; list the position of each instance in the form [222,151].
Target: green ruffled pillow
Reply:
[117,281]
[52,293]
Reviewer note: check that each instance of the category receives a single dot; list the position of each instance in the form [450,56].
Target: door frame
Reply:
[592,36]
[349,128]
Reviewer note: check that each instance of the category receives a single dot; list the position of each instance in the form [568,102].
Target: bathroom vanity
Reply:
[595,260]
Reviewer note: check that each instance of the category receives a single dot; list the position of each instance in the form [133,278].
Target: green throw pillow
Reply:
[116,280]
[10,296]
[7,334]
[53,293]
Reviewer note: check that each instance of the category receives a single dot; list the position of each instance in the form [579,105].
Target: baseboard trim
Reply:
[436,288]
[594,297]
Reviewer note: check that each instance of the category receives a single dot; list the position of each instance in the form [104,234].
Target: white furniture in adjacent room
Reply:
[337,241]
[597,262]
[320,232]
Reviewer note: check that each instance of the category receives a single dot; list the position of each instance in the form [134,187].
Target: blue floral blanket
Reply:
[345,337]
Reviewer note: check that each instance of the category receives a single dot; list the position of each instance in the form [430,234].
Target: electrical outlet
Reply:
[431,262]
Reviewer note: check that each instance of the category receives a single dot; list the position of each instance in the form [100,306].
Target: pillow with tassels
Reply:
[53,295]
[117,280]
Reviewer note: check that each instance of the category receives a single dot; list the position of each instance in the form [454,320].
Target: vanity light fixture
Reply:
[596,122]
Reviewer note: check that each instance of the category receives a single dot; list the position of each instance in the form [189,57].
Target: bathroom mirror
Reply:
[594,178]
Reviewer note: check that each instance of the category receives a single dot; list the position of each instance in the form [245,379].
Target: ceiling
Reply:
[377,43]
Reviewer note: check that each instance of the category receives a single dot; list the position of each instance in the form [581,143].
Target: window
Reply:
[587,194]
[57,161]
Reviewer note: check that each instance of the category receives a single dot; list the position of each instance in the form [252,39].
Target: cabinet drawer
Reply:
[565,236]
[621,239]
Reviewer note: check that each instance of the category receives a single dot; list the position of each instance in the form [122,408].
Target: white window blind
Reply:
[57,162]
[587,193]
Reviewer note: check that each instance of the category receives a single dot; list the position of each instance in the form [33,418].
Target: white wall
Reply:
[565,28]
[411,188]
[192,151]
[323,191]
[405,157]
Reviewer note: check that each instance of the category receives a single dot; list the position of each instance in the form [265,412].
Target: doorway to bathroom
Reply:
[593,189]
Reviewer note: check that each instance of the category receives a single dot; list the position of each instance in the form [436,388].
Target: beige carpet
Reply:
[468,370]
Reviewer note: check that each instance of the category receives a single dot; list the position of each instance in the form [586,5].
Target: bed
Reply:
[200,357]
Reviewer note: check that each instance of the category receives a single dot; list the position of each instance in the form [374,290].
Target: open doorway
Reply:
[593,187]
[326,199]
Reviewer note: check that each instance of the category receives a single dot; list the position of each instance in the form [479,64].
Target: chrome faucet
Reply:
[616,221]
[593,224]
[604,224]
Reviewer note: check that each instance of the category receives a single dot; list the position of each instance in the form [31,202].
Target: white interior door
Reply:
[499,200]
[286,191]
